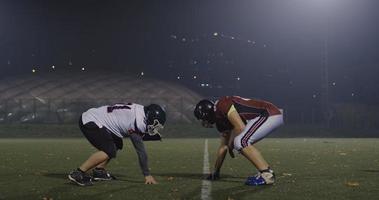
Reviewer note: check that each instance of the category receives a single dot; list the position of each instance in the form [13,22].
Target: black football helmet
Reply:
[204,111]
[155,117]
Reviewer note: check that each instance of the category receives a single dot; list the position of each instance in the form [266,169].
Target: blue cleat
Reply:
[254,176]
[265,178]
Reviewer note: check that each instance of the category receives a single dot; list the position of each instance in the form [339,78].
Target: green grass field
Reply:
[305,168]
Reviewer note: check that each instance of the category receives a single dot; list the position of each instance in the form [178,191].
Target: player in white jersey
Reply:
[105,126]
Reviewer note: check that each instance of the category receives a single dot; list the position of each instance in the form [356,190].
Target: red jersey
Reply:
[247,109]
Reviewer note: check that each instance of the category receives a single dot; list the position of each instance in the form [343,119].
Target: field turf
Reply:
[305,169]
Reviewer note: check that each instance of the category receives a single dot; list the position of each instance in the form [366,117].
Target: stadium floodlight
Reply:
[33,70]
[322,4]
[142,73]
[83,69]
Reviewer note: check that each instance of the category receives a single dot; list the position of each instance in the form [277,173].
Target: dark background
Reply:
[315,54]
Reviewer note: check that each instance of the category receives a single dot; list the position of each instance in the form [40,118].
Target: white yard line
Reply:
[206,186]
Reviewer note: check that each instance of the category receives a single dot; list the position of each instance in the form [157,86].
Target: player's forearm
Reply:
[141,153]
[143,162]
[221,153]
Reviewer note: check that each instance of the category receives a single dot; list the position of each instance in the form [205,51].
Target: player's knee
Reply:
[237,144]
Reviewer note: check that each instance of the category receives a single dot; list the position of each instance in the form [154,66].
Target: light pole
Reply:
[325,104]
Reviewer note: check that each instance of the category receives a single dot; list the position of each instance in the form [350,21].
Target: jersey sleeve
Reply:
[222,108]
[223,105]
[139,124]
[141,152]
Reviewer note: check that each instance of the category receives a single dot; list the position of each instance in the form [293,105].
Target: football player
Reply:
[242,123]
[104,127]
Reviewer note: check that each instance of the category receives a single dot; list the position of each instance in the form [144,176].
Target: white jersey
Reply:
[120,119]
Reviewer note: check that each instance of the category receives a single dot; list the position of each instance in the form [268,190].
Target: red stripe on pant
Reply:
[251,131]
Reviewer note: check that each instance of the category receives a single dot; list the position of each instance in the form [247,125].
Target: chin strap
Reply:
[147,137]
[206,124]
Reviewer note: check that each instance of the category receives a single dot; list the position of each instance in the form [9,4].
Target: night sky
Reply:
[270,49]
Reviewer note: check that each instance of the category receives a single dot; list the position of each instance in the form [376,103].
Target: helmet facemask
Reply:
[154,128]
[155,117]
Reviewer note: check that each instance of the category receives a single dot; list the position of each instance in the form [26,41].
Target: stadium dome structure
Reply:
[62,97]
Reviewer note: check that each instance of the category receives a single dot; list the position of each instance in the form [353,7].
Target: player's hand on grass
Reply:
[213,176]
[230,149]
[231,153]
[150,180]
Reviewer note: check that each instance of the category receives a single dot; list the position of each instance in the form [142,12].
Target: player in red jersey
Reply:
[242,122]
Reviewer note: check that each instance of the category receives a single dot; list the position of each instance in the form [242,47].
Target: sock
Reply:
[80,170]
[268,170]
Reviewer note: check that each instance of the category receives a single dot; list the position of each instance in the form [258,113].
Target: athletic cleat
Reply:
[265,178]
[80,178]
[102,175]
[254,176]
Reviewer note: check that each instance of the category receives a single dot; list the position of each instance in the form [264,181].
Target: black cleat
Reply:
[99,174]
[80,178]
